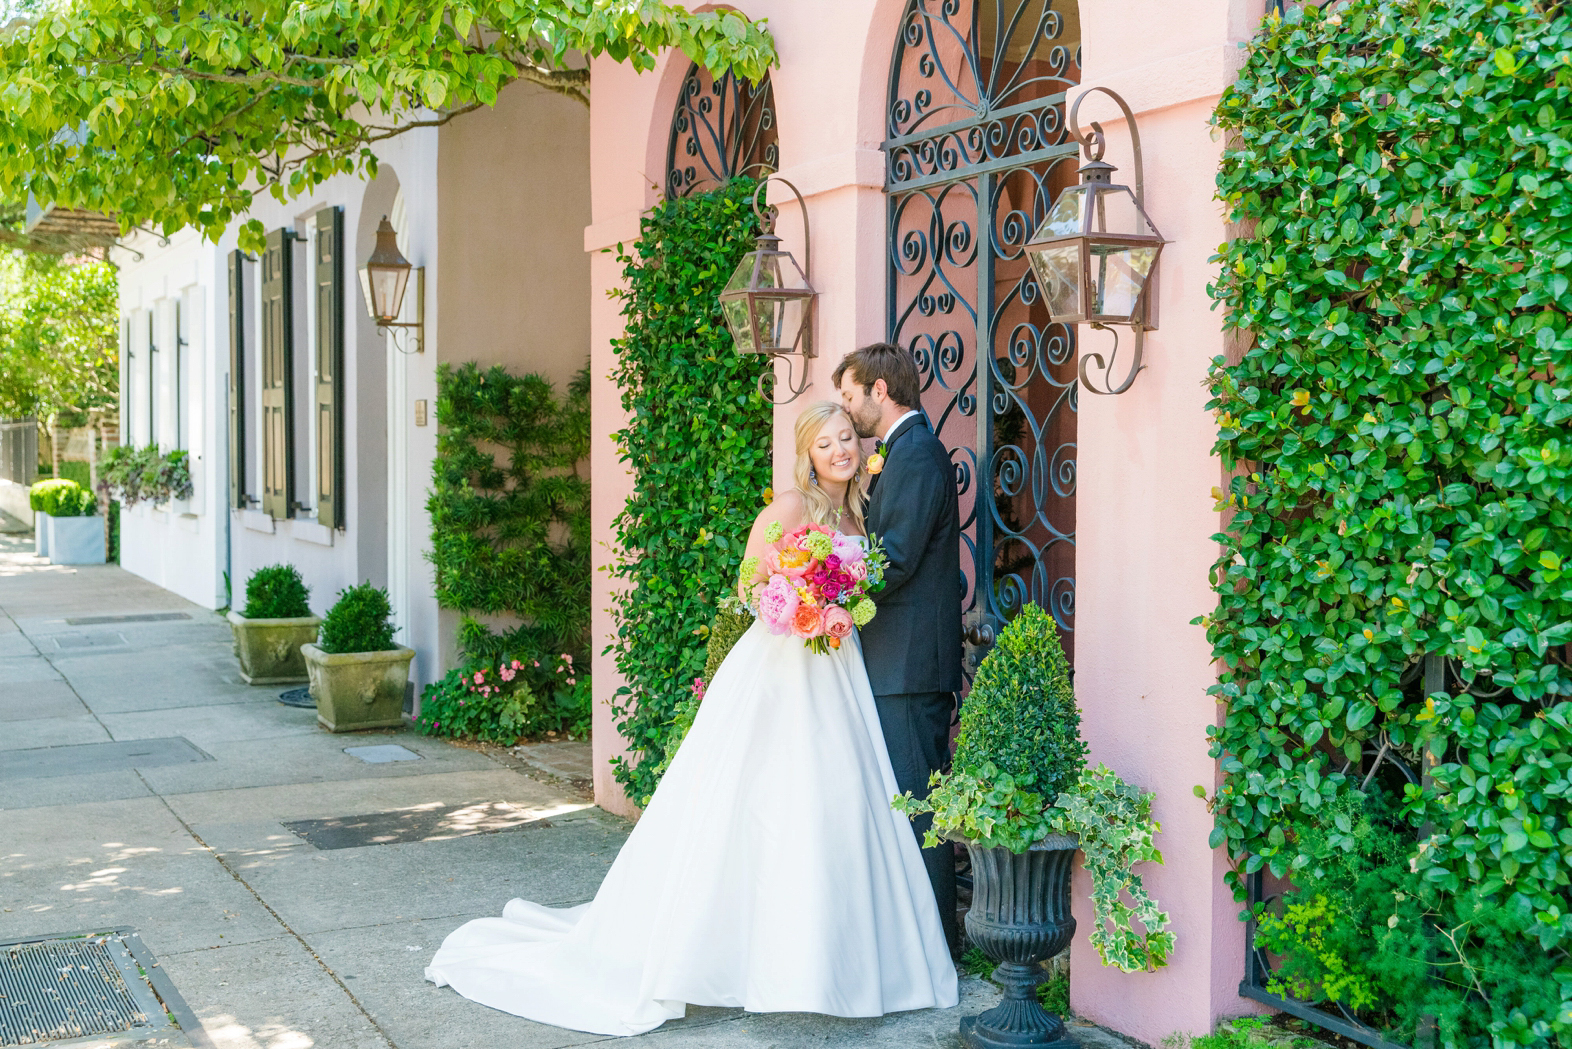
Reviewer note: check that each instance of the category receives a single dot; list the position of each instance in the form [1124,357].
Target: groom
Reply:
[912,647]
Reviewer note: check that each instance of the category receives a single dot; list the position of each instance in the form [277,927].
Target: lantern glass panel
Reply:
[765,303]
[1114,211]
[1058,269]
[1119,273]
[1065,218]
[384,288]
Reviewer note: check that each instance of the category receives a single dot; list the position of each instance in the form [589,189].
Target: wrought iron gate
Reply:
[976,152]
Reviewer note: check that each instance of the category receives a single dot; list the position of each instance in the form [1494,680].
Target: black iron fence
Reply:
[19,450]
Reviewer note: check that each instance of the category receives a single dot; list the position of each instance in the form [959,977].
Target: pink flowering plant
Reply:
[813,583]
[509,697]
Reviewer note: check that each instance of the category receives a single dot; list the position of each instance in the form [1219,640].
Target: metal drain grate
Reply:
[89,986]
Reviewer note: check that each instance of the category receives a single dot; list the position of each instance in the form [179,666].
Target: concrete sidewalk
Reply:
[274,940]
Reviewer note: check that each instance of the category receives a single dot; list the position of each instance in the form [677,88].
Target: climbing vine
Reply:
[698,446]
[1394,427]
[509,505]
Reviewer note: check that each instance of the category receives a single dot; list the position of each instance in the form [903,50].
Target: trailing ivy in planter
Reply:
[276,622]
[1394,424]
[698,446]
[358,675]
[131,475]
[1020,797]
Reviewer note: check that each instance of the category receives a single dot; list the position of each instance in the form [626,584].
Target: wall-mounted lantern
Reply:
[384,279]
[768,302]
[1095,255]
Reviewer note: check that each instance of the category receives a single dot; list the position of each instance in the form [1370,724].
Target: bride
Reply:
[768,871]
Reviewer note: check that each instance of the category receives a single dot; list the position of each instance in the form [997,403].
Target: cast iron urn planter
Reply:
[1020,917]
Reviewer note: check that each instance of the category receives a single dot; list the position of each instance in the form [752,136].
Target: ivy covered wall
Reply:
[1400,483]
[698,446]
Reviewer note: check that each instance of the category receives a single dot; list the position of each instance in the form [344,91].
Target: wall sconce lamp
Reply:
[384,279]
[1095,255]
[768,302]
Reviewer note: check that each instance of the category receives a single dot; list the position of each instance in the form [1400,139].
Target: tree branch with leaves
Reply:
[169,114]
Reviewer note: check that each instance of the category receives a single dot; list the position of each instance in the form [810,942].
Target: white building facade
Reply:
[312,433]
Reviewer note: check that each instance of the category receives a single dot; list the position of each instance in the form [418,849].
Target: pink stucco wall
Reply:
[1145,474]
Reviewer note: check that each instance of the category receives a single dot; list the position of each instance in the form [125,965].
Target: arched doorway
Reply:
[976,151]
[721,129]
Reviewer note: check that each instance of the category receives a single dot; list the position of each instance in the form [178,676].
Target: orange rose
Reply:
[807,621]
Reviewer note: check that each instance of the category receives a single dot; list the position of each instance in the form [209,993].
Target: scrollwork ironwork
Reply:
[977,147]
[721,129]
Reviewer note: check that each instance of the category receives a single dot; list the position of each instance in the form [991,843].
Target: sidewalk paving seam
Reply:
[276,916]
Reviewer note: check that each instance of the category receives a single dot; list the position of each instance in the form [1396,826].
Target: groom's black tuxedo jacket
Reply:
[913,644]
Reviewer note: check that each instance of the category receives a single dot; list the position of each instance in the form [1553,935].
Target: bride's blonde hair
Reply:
[820,510]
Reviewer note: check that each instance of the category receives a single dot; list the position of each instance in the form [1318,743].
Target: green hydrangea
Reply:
[818,544]
[773,532]
[863,611]
[750,567]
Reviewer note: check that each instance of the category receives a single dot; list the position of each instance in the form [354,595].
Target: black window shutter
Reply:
[278,390]
[329,278]
[237,379]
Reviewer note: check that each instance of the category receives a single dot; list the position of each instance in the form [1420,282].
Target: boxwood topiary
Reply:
[1021,715]
[277,592]
[61,498]
[1019,774]
[358,621]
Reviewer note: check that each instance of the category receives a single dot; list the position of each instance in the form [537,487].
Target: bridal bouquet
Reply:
[814,583]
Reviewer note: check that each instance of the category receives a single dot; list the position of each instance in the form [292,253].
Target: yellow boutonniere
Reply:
[875,463]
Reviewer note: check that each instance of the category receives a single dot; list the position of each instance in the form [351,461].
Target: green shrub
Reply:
[726,629]
[698,446]
[277,592]
[1019,774]
[61,498]
[1393,561]
[1021,715]
[509,507]
[359,621]
[501,694]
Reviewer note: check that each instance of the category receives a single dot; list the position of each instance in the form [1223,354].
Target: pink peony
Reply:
[847,549]
[837,621]
[858,570]
[807,621]
[832,563]
[778,602]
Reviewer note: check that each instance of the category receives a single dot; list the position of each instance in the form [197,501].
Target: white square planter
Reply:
[41,533]
[75,540]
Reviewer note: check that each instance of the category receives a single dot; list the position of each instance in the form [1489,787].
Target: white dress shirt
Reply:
[896,425]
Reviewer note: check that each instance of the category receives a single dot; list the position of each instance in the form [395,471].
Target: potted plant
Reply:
[276,622]
[68,529]
[1019,796]
[358,675]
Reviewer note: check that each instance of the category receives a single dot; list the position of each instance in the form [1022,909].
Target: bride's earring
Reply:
[813,476]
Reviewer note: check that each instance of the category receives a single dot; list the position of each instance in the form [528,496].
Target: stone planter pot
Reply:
[75,540]
[356,690]
[41,533]
[1020,917]
[269,649]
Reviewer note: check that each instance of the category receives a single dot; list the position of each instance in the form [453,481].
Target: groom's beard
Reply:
[865,426]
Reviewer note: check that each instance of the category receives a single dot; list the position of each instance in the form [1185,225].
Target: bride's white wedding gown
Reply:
[768,872]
